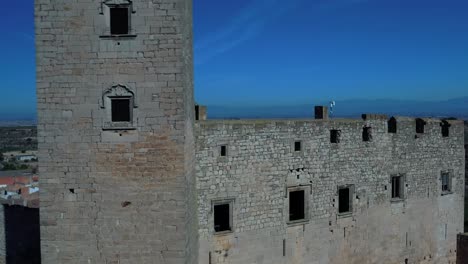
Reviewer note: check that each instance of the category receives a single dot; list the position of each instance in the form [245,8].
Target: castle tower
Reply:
[115,130]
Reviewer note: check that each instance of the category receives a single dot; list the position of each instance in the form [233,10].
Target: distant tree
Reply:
[23,167]
[23,151]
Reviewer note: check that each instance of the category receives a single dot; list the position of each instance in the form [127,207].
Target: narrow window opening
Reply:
[335,136]
[197,112]
[445,128]
[223,151]
[296,205]
[392,125]
[222,217]
[367,134]
[119,20]
[297,146]
[343,200]
[446,182]
[397,187]
[420,125]
[120,109]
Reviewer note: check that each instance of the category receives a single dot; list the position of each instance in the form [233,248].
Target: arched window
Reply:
[119,102]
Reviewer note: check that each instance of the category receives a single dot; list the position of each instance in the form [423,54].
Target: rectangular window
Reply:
[297,146]
[119,21]
[335,136]
[223,151]
[397,187]
[446,182]
[296,205]
[222,217]
[120,109]
[344,200]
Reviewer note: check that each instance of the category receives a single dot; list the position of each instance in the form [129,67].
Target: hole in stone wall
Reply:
[297,146]
[119,20]
[126,203]
[222,217]
[223,150]
[335,136]
[72,190]
[392,125]
[296,205]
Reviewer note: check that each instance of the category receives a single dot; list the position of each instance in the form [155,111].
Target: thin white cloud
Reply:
[251,21]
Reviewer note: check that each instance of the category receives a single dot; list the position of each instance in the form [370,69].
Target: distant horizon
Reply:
[263,52]
[456,107]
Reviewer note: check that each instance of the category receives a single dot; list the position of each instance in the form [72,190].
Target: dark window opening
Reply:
[222,217]
[119,20]
[343,200]
[120,110]
[445,128]
[223,151]
[420,125]
[446,182]
[335,136]
[197,112]
[397,187]
[296,205]
[297,146]
[392,125]
[367,134]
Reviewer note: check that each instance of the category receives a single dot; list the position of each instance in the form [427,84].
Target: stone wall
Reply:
[261,164]
[114,194]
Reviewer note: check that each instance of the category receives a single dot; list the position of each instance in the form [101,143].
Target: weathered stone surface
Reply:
[261,165]
[133,198]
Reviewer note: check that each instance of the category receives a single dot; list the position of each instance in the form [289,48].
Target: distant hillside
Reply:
[18,138]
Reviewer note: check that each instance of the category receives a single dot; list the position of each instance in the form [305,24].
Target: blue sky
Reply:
[271,52]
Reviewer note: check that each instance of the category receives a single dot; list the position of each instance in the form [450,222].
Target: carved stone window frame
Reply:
[104,9]
[118,91]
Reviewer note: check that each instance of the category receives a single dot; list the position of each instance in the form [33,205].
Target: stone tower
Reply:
[115,130]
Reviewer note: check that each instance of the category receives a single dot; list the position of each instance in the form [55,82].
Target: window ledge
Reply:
[298,222]
[123,36]
[446,193]
[344,215]
[397,200]
[119,126]
[223,233]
